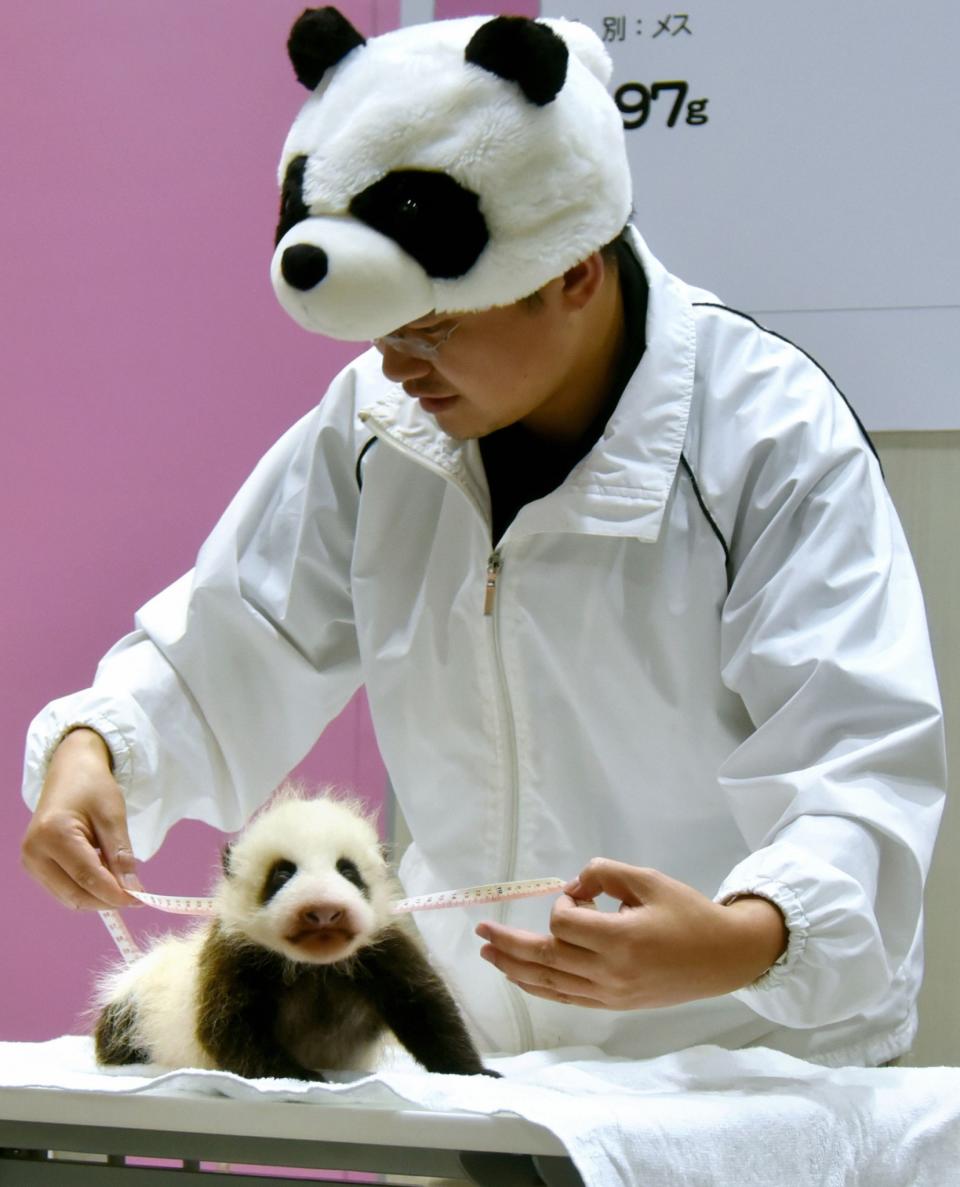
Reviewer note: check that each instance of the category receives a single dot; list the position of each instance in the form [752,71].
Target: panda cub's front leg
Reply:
[417,1006]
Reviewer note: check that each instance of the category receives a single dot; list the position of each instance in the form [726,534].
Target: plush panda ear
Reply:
[319,39]
[521,51]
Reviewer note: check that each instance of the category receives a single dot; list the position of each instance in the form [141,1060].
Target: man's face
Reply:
[497,367]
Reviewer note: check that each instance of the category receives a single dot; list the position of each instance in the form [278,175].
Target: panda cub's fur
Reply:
[302,967]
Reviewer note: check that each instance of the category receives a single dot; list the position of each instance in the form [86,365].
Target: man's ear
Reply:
[583,281]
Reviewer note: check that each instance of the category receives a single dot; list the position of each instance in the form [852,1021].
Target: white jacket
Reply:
[707,654]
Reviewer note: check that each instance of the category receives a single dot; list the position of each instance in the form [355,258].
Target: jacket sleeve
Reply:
[838,790]
[233,671]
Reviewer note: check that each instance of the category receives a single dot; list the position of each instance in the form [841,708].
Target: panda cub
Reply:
[301,968]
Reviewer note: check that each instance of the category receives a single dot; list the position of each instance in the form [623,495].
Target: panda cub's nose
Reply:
[303,266]
[321,915]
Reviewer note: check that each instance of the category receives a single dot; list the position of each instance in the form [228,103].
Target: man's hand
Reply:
[667,944]
[77,844]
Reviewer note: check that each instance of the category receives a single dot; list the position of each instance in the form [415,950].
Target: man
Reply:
[619,573]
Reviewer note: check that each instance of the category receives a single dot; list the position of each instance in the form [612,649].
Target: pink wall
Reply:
[145,368]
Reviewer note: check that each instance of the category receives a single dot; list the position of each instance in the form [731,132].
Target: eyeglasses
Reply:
[422,344]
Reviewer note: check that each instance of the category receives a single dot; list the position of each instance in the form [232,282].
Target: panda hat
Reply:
[444,167]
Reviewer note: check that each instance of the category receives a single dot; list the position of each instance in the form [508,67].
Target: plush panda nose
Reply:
[303,266]
[336,276]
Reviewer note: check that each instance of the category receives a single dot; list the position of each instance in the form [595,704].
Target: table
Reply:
[48,1135]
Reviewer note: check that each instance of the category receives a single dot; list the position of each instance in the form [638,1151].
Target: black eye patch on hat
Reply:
[292,208]
[433,218]
[477,212]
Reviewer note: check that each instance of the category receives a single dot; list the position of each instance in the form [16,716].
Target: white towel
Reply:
[705,1116]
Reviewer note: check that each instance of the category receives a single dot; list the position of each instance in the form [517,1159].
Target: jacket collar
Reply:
[621,487]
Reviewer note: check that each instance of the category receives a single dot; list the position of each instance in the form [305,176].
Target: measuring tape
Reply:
[470,896]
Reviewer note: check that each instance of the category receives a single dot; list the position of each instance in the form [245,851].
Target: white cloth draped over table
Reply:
[702,1116]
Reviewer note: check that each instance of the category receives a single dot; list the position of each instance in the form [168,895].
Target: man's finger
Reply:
[63,887]
[116,852]
[535,947]
[548,979]
[630,884]
[543,959]
[568,999]
[589,930]
[95,885]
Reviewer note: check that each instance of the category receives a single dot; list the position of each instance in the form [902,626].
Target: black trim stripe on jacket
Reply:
[706,511]
[363,453]
[808,357]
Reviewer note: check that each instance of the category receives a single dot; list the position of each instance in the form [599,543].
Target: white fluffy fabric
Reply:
[703,1116]
[553,180]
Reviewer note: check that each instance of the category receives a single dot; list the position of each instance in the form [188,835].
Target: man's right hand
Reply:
[77,845]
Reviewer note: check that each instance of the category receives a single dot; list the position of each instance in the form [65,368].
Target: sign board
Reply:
[800,159]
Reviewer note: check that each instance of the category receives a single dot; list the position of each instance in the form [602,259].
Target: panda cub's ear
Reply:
[522,51]
[319,39]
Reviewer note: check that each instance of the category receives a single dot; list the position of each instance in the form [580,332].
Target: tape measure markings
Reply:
[175,904]
[469,896]
[113,921]
[472,896]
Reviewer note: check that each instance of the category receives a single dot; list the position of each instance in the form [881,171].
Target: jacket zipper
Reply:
[518,1009]
[521,1015]
[494,565]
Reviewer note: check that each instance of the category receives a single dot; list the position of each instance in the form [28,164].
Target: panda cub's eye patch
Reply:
[432,217]
[292,208]
[348,869]
[277,877]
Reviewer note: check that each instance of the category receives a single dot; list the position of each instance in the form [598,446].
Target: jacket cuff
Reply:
[52,725]
[836,964]
[798,926]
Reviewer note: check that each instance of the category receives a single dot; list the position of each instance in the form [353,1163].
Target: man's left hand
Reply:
[667,944]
